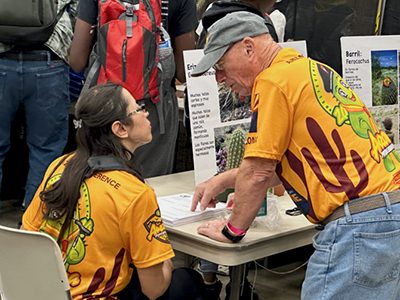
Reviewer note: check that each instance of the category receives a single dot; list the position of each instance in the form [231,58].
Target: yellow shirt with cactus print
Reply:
[117,223]
[329,148]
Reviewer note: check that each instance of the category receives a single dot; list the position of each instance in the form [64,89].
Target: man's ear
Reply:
[249,45]
[119,129]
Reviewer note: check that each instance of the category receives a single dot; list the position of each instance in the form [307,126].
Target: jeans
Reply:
[208,266]
[356,257]
[41,87]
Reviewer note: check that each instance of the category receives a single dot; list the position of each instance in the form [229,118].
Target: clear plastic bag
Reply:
[273,217]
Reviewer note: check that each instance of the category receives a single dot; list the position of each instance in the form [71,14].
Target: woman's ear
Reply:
[119,130]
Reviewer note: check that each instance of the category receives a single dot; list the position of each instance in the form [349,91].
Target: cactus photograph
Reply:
[232,106]
[387,118]
[384,70]
[229,145]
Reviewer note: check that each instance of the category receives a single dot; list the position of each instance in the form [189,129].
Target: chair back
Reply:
[31,266]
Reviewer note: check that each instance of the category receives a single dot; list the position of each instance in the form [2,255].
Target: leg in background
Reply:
[10,95]
[46,109]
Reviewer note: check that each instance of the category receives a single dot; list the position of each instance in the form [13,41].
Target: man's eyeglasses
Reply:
[218,66]
[142,108]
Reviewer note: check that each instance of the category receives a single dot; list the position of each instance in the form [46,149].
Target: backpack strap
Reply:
[108,163]
[130,6]
[92,75]
[164,13]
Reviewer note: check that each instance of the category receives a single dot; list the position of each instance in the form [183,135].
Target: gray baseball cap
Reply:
[223,33]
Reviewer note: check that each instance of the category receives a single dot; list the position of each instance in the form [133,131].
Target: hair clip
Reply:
[77,123]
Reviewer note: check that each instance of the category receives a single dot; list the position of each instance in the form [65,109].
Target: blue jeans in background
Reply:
[41,87]
[208,266]
[356,257]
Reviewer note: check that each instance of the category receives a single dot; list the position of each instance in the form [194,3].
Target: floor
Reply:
[278,283]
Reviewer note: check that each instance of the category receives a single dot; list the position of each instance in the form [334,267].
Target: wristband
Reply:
[235,230]
[228,234]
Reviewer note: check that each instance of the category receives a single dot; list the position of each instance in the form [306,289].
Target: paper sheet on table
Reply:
[175,210]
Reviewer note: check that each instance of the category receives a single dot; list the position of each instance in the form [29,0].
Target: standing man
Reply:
[312,131]
[36,78]
[157,157]
[215,11]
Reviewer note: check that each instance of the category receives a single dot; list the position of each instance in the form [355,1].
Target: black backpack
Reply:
[221,8]
[27,22]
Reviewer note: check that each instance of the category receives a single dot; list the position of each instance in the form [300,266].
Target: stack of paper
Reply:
[175,210]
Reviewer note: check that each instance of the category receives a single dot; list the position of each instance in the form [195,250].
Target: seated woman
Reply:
[107,221]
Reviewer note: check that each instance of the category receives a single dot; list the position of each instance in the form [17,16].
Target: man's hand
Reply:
[206,191]
[213,229]
[205,194]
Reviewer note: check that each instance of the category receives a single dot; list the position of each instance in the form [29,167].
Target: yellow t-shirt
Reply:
[329,147]
[117,222]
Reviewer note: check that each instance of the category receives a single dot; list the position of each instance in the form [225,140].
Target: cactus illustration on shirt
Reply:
[348,109]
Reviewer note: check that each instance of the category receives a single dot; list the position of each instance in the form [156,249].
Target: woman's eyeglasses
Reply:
[142,108]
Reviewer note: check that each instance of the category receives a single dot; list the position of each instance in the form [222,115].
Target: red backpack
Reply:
[127,46]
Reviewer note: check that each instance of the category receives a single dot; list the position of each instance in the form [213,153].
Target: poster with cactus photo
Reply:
[371,68]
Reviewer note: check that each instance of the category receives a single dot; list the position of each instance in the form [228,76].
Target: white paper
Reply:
[175,210]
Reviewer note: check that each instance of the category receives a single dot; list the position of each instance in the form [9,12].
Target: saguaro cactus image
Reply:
[235,148]
[230,156]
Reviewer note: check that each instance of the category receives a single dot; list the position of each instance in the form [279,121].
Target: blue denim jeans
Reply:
[208,266]
[356,257]
[41,87]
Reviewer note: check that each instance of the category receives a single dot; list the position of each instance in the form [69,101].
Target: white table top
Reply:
[292,232]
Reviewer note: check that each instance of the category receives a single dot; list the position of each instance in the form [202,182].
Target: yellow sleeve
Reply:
[144,232]
[271,122]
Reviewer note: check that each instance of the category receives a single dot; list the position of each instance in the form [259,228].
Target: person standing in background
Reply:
[157,157]
[36,78]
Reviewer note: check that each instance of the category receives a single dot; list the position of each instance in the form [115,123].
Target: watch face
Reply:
[233,238]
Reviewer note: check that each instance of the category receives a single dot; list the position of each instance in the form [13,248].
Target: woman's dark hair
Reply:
[95,112]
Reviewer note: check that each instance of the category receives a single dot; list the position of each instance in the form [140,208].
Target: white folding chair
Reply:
[31,267]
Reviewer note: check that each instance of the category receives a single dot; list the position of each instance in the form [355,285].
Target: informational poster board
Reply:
[371,69]
[215,113]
